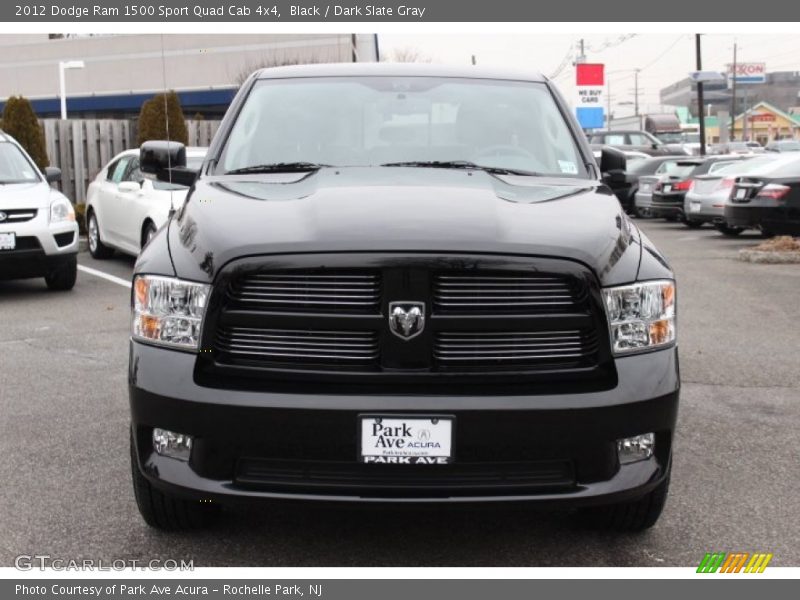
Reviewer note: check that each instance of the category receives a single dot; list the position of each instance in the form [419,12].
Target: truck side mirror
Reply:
[612,159]
[166,161]
[52,174]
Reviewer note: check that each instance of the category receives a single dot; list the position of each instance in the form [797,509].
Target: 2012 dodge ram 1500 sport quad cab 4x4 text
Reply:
[400,283]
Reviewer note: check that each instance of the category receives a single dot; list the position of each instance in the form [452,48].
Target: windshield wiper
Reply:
[460,164]
[281,167]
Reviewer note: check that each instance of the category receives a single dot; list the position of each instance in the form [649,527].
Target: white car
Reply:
[124,209]
[38,231]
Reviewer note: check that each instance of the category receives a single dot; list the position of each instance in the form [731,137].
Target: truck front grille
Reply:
[309,320]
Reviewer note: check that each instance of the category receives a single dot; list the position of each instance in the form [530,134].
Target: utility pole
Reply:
[700,102]
[580,59]
[733,94]
[636,92]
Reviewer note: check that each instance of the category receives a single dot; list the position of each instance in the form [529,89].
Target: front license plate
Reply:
[413,440]
[667,188]
[694,207]
[8,241]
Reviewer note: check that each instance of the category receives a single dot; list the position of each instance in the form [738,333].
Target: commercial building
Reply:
[780,90]
[120,72]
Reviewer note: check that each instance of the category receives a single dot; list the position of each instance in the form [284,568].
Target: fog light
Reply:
[174,445]
[636,448]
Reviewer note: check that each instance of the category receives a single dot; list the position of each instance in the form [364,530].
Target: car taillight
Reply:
[682,186]
[726,183]
[773,191]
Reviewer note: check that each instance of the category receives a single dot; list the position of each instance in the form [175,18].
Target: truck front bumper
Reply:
[250,445]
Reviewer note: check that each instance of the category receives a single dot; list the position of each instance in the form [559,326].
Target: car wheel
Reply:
[729,231]
[164,511]
[148,233]
[693,224]
[671,218]
[633,516]
[96,247]
[63,278]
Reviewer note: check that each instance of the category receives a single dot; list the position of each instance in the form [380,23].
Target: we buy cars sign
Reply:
[590,81]
[748,72]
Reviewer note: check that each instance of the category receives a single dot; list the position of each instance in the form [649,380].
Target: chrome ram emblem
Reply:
[406,319]
[3,216]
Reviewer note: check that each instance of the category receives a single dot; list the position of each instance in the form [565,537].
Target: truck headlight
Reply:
[641,316]
[168,311]
[61,210]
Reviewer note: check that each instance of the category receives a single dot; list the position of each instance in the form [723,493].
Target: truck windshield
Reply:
[371,121]
[14,167]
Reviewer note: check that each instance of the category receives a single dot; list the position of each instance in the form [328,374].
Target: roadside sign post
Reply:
[590,81]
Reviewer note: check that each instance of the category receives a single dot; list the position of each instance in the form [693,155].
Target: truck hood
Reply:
[25,195]
[402,210]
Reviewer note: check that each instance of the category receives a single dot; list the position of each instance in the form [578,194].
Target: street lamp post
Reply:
[63,66]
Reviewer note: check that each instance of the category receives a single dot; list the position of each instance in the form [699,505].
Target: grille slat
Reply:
[497,348]
[297,346]
[19,215]
[503,293]
[331,291]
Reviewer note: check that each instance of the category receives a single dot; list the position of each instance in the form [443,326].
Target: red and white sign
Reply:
[590,79]
[749,72]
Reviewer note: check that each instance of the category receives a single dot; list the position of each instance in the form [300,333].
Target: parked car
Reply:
[124,209]
[669,193]
[634,140]
[38,231]
[732,148]
[634,172]
[767,198]
[705,200]
[342,311]
[783,146]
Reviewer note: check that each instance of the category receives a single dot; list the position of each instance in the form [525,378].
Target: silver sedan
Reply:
[706,198]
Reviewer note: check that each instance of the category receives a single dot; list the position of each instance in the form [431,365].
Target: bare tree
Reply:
[266,62]
[407,54]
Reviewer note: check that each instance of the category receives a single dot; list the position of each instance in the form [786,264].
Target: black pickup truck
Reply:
[400,284]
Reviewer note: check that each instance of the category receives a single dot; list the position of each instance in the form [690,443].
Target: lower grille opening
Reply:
[351,478]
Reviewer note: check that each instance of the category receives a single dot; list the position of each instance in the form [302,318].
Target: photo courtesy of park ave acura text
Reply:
[314,297]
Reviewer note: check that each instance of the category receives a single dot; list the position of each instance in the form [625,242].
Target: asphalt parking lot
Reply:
[735,487]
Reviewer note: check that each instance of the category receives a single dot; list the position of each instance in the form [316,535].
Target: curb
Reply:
[769,257]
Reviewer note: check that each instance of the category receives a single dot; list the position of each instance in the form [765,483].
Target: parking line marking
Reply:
[106,276]
[689,238]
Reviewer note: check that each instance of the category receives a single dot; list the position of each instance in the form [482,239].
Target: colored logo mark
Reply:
[734,562]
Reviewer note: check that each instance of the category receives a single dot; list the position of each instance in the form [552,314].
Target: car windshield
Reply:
[690,138]
[370,121]
[743,167]
[670,137]
[673,168]
[14,167]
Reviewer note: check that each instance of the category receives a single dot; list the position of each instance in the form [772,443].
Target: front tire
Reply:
[637,515]
[693,224]
[164,511]
[62,278]
[97,248]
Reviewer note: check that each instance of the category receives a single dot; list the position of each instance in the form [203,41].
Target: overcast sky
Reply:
[663,59]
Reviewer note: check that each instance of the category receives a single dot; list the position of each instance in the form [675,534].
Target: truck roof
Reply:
[397,69]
